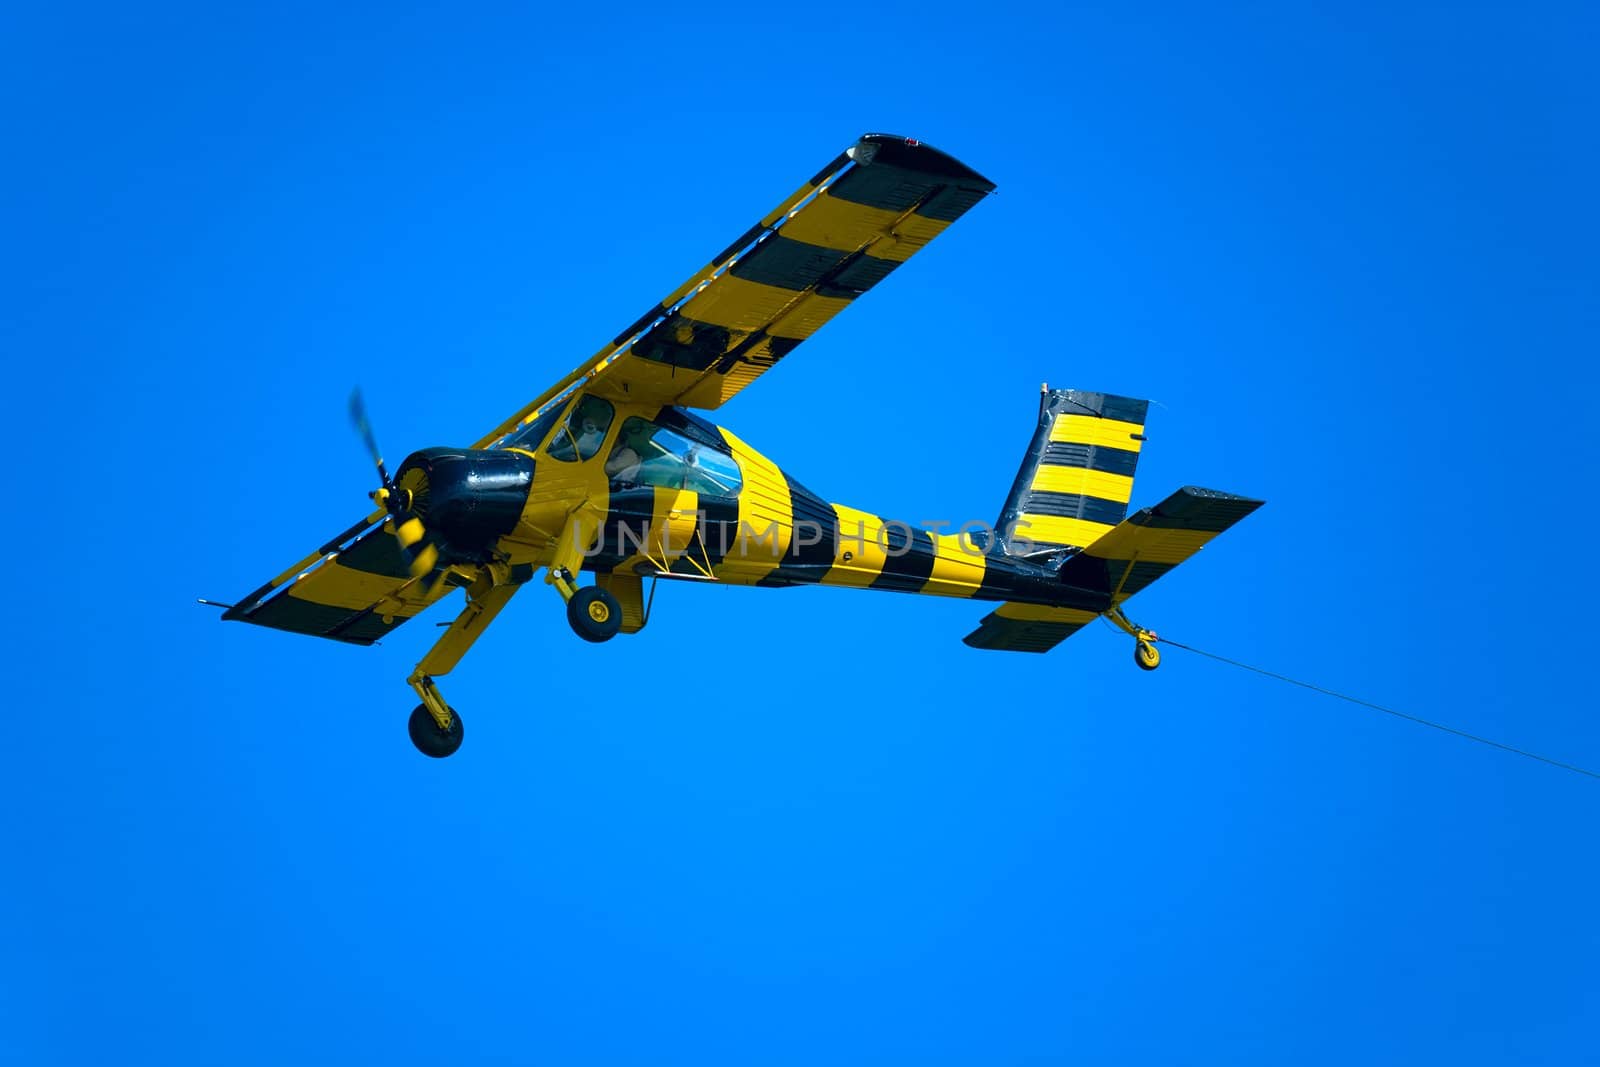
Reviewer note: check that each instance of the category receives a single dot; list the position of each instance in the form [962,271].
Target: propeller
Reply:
[419,549]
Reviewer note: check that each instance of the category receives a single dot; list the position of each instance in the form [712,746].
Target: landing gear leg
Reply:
[435,726]
[593,613]
[1145,652]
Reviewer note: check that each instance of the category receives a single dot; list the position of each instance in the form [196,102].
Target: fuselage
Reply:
[658,491]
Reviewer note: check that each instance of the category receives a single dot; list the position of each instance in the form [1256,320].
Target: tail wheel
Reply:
[429,739]
[594,614]
[1146,655]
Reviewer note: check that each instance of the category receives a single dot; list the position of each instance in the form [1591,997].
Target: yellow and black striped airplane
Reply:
[608,471]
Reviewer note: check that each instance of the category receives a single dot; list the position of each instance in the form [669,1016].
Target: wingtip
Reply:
[913,154]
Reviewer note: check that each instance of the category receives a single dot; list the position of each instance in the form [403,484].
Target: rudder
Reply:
[1077,476]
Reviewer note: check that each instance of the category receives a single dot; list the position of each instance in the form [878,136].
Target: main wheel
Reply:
[594,614]
[429,739]
[1146,655]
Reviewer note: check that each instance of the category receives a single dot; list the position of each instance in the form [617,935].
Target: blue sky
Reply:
[1349,252]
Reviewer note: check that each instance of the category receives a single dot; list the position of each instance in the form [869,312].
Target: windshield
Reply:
[581,436]
[531,436]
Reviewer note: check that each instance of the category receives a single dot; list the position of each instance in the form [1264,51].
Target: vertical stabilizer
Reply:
[1077,476]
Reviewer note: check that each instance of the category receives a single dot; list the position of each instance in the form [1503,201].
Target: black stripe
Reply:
[786,264]
[721,514]
[364,628]
[1103,577]
[909,562]
[644,320]
[858,275]
[951,202]
[631,510]
[1073,506]
[738,352]
[1020,635]
[719,526]
[680,341]
[1002,576]
[912,154]
[813,516]
[1202,510]
[743,242]
[333,545]
[241,610]
[882,185]
[1129,581]
[1091,457]
[1105,405]
[376,553]
[285,612]
[822,175]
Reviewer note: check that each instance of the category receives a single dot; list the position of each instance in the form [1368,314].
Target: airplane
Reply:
[610,470]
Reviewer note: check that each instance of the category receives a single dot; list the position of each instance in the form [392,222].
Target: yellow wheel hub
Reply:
[599,612]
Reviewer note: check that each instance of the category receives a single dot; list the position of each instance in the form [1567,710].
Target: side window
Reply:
[647,454]
[581,435]
[712,473]
[531,436]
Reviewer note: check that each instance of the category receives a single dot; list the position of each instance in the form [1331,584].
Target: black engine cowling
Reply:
[466,498]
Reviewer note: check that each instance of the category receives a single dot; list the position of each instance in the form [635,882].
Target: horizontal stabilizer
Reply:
[1016,627]
[1151,542]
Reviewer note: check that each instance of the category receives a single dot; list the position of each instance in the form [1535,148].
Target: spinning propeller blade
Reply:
[358,418]
[419,549]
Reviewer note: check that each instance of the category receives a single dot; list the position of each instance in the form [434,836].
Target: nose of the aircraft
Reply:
[467,498]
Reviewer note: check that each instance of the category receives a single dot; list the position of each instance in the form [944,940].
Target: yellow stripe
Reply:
[861,535]
[957,569]
[739,304]
[1089,430]
[1053,479]
[300,567]
[712,390]
[1041,613]
[345,587]
[1054,530]
[910,236]
[1149,546]
[788,204]
[672,523]
[845,227]
[838,224]
[764,504]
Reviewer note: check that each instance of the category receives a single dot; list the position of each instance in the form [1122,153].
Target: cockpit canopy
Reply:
[675,450]
[648,453]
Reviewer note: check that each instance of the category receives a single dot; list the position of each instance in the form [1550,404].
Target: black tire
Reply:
[429,739]
[594,614]
[1146,655]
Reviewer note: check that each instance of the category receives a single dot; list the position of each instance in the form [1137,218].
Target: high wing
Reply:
[869,210]
[355,588]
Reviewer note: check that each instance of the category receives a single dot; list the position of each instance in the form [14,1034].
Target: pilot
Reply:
[589,438]
[584,431]
[624,462]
